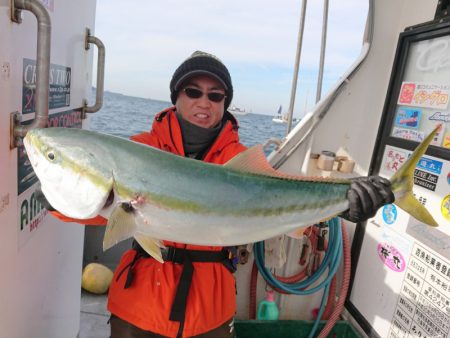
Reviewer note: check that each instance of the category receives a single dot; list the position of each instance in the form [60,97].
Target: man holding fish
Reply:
[188,290]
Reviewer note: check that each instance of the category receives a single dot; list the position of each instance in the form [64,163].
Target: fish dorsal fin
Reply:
[254,161]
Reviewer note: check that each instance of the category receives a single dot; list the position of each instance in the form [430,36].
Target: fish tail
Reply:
[403,180]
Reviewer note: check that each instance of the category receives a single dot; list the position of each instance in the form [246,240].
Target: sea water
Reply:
[124,116]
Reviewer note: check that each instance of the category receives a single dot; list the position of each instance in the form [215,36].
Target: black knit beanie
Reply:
[201,63]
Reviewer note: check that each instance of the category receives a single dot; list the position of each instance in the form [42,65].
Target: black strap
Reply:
[178,310]
[130,266]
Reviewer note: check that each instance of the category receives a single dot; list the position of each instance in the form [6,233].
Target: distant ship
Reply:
[283,118]
[237,111]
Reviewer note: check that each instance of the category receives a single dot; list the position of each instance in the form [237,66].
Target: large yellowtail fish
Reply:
[169,197]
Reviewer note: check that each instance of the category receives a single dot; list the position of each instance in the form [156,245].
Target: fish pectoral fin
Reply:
[121,225]
[151,245]
[413,207]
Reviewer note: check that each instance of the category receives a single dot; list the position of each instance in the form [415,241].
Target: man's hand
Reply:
[366,195]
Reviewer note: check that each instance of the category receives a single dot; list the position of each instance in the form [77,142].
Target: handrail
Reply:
[298,54]
[322,50]
[100,74]
[310,122]
[42,67]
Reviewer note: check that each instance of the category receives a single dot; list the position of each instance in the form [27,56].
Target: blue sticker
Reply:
[408,118]
[389,213]
[430,165]
[448,178]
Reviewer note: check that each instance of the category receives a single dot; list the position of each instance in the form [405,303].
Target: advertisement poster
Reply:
[408,118]
[424,95]
[59,88]
[31,215]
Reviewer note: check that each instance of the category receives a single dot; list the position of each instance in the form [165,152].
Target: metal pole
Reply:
[297,63]
[322,50]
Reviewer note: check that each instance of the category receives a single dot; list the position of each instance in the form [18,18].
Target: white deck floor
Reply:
[94,316]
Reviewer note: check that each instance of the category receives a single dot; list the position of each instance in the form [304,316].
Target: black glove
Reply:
[366,195]
[40,197]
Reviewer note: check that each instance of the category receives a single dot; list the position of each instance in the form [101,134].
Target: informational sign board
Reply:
[401,287]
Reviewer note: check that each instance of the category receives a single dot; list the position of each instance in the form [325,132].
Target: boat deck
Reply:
[94,316]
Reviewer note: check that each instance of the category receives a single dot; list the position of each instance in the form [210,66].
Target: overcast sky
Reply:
[256,39]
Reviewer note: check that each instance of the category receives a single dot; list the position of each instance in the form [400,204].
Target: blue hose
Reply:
[330,264]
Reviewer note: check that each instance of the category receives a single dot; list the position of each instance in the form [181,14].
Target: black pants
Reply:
[123,329]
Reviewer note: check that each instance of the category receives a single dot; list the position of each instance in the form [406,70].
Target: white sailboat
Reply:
[282,118]
[279,118]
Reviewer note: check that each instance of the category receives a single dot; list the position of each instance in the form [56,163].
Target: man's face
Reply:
[201,111]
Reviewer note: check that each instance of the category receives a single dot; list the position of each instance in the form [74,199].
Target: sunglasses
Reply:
[194,93]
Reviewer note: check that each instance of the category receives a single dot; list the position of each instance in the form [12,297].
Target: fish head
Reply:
[74,176]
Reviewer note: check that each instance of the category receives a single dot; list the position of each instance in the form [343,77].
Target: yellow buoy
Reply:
[96,278]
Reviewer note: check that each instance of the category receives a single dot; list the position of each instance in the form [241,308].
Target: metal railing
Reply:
[42,67]
[310,121]
[100,74]
[290,113]
[298,55]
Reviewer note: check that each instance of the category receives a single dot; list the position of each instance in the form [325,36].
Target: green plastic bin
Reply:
[289,329]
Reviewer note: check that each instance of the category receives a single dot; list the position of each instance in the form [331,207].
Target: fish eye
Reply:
[51,155]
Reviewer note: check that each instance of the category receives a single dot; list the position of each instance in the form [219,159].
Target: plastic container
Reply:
[268,309]
[326,160]
[289,329]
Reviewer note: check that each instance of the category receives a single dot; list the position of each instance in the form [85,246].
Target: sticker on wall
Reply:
[406,93]
[395,159]
[59,86]
[440,117]
[408,134]
[445,207]
[408,118]
[430,165]
[448,178]
[391,257]
[422,200]
[437,139]
[446,142]
[426,95]
[432,55]
[389,213]
[425,179]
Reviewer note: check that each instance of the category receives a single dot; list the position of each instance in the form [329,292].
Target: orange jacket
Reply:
[212,295]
